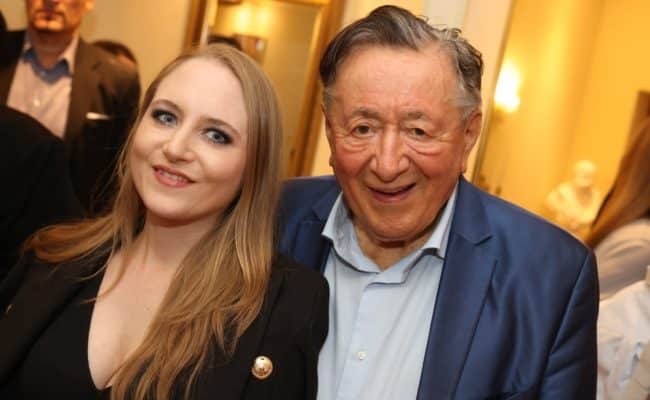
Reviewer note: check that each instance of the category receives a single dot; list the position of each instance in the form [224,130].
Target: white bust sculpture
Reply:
[574,204]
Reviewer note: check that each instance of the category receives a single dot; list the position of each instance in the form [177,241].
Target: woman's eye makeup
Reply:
[218,136]
[163,116]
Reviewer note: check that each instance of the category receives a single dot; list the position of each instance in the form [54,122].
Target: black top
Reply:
[59,358]
[41,354]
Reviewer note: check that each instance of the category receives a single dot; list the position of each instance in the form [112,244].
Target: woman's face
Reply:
[189,150]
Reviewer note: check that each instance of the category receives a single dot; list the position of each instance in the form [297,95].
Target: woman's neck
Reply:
[164,245]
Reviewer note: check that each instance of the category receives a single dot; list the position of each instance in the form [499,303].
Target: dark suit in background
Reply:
[37,188]
[103,101]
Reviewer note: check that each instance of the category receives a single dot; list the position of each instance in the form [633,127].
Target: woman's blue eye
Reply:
[218,136]
[164,117]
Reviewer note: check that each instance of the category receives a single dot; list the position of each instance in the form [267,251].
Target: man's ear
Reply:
[470,135]
[328,134]
[328,124]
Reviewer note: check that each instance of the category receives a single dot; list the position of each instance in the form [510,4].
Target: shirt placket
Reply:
[361,353]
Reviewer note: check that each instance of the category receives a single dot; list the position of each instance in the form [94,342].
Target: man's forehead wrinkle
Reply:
[365,78]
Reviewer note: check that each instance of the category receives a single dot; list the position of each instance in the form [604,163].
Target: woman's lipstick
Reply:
[170,177]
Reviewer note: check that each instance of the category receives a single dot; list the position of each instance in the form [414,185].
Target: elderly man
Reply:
[438,290]
[79,92]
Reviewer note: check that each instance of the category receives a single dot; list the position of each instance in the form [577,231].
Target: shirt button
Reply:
[361,355]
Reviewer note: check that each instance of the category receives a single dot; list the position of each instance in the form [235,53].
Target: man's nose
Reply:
[390,159]
[177,148]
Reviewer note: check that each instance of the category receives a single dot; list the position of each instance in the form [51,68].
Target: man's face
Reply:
[398,142]
[57,15]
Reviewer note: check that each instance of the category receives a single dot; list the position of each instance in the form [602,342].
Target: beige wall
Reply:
[551,43]
[14,13]
[485,25]
[153,29]
[620,67]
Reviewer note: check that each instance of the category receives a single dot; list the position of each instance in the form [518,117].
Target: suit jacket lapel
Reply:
[464,283]
[45,291]
[309,246]
[84,80]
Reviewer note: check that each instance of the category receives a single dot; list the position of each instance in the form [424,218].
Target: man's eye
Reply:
[218,136]
[417,132]
[164,117]
[362,130]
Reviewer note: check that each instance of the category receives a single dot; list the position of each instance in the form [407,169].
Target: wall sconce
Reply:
[506,95]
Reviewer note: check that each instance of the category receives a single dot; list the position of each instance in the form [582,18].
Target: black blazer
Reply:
[290,329]
[100,86]
[33,168]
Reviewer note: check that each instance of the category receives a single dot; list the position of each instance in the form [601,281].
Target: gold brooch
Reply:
[262,367]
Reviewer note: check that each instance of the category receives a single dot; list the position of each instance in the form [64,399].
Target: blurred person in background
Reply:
[79,92]
[38,191]
[620,234]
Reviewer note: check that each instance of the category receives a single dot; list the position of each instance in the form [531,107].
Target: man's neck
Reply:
[50,45]
[385,254]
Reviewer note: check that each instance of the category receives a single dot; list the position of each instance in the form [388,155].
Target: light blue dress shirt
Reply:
[44,93]
[379,320]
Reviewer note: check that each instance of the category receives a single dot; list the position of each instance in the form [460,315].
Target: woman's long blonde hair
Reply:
[219,288]
[629,198]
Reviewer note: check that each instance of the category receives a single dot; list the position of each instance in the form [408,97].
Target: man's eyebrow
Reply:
[365,113]
[415,115]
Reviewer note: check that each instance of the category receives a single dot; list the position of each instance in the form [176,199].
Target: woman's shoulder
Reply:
[296,275]
[636,232]
[31,273]
[297,292]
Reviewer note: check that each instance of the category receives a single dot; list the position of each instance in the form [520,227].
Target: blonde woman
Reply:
[176,294]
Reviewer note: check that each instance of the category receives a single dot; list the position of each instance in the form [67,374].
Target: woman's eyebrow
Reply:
[220,122]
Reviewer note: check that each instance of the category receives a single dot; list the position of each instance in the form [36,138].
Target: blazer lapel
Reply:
[46,289]
[227,376]
[84,80]
[464,283]
[310,247]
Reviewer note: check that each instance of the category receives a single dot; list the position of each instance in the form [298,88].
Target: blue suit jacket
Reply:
[515,314]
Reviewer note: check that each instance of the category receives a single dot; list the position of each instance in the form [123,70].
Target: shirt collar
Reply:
[69,54]
[339,218]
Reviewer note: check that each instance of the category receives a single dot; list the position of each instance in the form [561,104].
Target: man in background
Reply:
[438,290]
[79,92]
